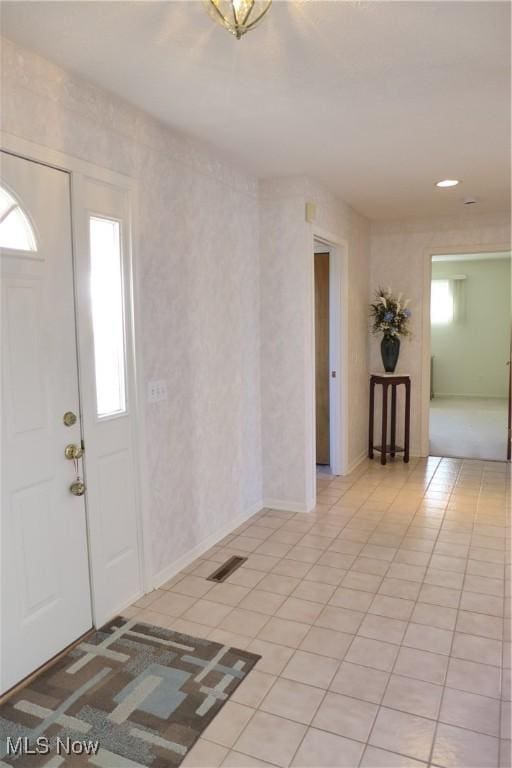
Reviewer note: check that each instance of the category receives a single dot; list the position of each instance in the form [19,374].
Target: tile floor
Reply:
[381,618]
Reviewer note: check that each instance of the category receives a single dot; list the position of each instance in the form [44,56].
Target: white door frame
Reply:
[77,170]
[426,331]
[338,352]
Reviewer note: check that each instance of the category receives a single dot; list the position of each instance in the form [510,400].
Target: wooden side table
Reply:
[387,380]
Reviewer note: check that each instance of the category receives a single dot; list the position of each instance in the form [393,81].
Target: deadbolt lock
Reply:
[77,488]
[69,418]
[73,452]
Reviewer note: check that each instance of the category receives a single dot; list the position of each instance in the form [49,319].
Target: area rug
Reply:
[131,695]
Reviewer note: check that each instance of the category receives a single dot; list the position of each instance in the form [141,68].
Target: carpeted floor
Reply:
[131,695]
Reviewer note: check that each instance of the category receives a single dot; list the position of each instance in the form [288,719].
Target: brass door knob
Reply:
[77,488]
[69,418]
[73,452]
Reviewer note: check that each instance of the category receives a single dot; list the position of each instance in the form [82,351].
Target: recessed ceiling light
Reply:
[447,183]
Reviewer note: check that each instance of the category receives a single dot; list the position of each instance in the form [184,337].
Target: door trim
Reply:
[338,357]
[77,170]
[425,331]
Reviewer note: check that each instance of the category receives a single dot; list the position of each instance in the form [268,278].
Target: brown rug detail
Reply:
[131,695]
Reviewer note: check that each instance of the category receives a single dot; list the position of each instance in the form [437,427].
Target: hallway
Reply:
[379,619]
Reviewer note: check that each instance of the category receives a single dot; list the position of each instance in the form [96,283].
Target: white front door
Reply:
[45,586]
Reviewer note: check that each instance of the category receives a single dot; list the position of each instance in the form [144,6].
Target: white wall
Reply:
[287,363]
[472,350]
[199,261]
[399,250]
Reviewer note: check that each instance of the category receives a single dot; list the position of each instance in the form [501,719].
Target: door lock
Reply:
[73,452]
[69,418]
[77,488]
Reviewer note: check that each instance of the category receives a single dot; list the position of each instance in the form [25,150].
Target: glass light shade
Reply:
[238,16]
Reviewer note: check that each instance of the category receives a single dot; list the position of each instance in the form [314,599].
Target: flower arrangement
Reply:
[390,314]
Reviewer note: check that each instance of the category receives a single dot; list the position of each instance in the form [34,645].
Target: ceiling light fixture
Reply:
[238,16]
[446,183]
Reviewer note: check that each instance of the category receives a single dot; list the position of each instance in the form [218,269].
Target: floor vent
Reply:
[227,568]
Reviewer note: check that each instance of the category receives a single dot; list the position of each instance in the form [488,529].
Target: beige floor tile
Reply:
[274,657]
[193,586]
[354,599]
[480,624]
[299,610]
[227,594]
[345,716]
[469,710]
[314,591]
[380,758]
[206,612]
[228,638]
[328,750]
[293,700]
[399,588]
[172,604]
[286,567]
[280,585]
[442,596]
[434,615]
[474,678]
[325,574]
[238,760]
[480,649]
[414,696]
[310,668]
[340,619]
[391,607]
[271,738]
[205,754]
[228,724]
[472,601]
[421,665]
[274,548]
[440,578]
[360,682]
[245,577]
[459,748]
[406,734]
[262,602]
[372,653]
[364,581]
[244,622]
[284,632]
[253,689]
[327,642]
[428,638]
[382,628]
[483,585]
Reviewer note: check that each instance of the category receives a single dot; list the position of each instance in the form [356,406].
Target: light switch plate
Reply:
[157,391]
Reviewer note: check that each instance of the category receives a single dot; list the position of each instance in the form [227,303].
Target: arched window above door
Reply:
[15,228]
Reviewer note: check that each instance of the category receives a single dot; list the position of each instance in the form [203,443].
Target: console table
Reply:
[389,380]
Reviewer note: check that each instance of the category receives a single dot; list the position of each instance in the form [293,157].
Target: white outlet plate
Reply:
[157,391]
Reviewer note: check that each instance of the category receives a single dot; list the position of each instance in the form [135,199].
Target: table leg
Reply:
[407,419]
[370,420]
[393,420]
[384,423]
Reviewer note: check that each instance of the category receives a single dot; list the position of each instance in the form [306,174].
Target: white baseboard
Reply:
[357,461]
[287,506]
[171,570]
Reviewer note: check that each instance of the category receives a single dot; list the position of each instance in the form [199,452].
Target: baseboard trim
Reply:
[357,461]
[287,506]
[171,570]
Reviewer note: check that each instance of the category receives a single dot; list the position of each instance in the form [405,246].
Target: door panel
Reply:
[112,489]
[45,573]
[322,357]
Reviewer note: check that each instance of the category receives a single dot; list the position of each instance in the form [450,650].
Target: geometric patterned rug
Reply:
[131,695]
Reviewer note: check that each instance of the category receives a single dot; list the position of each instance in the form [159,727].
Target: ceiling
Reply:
[377,100]
[473,256]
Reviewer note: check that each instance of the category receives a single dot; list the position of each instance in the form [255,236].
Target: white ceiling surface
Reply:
[377,100]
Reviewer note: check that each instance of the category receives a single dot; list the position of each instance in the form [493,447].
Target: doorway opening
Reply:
[322,262]
[470,313]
